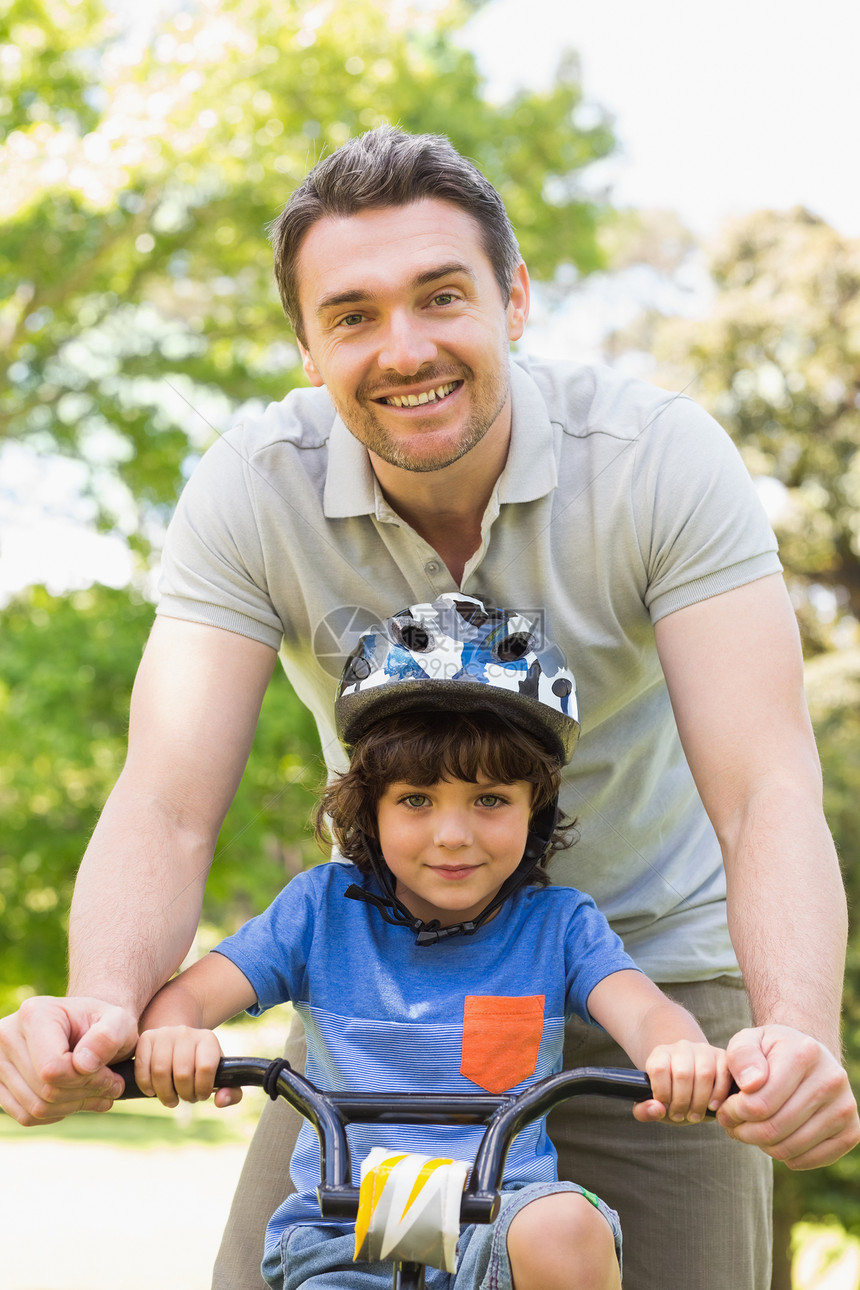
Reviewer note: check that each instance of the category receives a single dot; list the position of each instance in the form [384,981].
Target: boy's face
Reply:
[451,846]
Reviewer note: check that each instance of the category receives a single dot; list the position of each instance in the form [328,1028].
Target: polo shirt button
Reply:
[432,566]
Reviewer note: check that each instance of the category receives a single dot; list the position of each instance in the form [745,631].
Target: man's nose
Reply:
[406,346]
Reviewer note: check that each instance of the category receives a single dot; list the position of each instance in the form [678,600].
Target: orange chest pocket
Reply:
[501,1039]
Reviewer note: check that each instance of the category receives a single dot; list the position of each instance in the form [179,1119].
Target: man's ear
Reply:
[518,305]
[310,366]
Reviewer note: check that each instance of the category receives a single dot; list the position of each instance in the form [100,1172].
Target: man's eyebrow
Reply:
[338,298]
[357,295]
[454,269]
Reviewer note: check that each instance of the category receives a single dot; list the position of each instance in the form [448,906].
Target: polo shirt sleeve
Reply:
[213,571]
[700,524]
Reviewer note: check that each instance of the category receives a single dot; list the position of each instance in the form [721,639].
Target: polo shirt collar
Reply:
[530,472]
[350,484]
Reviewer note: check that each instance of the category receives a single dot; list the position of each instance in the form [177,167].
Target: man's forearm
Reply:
[137,901]
[734,669]
[788,919]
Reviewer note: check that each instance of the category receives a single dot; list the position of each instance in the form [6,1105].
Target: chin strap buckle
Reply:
[431,933]
[396,914]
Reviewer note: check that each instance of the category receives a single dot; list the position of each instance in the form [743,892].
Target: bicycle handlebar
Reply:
[329,1113]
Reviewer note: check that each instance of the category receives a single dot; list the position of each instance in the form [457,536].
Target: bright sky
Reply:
[721,108]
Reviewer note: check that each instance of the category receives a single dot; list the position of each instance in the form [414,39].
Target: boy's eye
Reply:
[415,799]
[490,799]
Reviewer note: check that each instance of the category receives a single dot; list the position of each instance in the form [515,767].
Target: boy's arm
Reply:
[177,1054]
[209,992]
[688,1075]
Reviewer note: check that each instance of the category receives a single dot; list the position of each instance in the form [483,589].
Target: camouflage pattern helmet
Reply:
[460,656]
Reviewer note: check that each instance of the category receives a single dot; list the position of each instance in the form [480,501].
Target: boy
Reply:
[450,964]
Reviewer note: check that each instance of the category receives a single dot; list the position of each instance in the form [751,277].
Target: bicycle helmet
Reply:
[457,655]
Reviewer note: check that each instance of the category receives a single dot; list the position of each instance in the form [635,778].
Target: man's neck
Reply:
[446,507]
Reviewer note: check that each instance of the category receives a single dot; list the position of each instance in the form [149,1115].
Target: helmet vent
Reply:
[514,647]
[471,612]
[357,669]
[415,637]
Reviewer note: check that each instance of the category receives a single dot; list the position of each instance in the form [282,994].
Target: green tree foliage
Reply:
[46,48]
[66,671]
[777,361]
[135,281]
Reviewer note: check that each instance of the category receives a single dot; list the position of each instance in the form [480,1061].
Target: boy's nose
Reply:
[453,832]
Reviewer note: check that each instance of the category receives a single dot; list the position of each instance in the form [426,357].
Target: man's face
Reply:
[406,327]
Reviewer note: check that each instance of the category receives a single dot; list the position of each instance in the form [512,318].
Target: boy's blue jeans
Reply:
[320,1258]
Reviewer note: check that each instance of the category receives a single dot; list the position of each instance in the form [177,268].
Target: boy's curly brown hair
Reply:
[423,747]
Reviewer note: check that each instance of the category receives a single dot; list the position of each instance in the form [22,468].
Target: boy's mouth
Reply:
[454,871]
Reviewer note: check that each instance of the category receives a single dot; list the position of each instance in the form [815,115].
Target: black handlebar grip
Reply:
[126,1070]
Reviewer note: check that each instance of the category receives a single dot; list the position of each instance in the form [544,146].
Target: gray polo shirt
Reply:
[618,504]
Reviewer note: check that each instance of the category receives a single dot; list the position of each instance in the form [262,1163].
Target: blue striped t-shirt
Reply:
[470,1014]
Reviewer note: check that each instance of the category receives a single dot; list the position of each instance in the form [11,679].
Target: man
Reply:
[421,461]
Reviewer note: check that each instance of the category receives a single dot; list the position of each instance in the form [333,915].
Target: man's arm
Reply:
[194,710]
[137,900]
[734,670]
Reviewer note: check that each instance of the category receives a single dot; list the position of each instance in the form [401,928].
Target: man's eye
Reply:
[351,320]
[444,298]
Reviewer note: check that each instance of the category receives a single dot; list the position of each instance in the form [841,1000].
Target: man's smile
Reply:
[435,395]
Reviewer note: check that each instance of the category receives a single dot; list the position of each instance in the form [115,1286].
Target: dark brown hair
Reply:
[388,167]
[422,747]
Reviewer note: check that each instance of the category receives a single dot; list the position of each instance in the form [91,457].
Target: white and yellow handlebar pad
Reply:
[409,1209]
